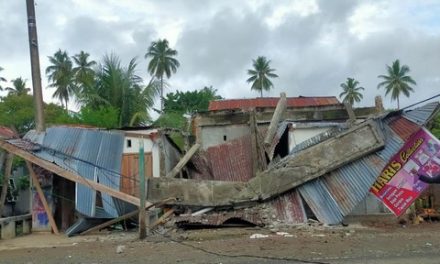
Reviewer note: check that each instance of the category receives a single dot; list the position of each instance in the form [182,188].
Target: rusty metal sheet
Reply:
[271,102]
[290,208]
[403,127]
[232,161]
[7,133]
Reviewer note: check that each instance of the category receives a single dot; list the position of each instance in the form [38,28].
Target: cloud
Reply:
[313,45]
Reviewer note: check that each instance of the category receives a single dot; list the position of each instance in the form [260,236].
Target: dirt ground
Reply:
[305,244]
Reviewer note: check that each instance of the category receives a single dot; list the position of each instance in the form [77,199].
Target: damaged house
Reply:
[256,160]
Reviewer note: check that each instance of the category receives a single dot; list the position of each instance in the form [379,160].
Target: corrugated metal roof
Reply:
[319,199]
[403,127]
[421,114]
[93,154]
[336,194]
[290,208]
[271,102]
[7,133]
[232,161]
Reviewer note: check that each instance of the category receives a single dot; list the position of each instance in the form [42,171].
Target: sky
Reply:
[313,45]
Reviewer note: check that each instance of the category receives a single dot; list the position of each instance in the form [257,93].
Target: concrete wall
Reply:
[131,145]
[215,135]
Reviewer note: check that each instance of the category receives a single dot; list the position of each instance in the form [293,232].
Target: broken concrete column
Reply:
[279,110]
[8,230]
[378,104]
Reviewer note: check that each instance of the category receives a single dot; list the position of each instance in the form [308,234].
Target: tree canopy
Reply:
[180,103]
[163,62]
[260,75]
[351,91]
[18,87]
[60,74]
[397,81]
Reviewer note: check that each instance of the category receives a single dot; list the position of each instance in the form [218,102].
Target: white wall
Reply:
[298,135]
[214,135]
[149,146]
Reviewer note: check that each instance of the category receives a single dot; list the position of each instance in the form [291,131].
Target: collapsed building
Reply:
[253,160]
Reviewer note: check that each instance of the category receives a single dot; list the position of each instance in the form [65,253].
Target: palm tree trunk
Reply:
[261,91]
[398,103]
[67,110]
[161,94]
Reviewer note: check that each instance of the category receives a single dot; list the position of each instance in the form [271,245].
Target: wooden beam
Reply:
[123,217]
[7,175]
[68,174]
[162,218]
[40,192]
[279,110]
[183,161]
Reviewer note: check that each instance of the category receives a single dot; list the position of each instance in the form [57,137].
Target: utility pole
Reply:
[142,222]
[35,66]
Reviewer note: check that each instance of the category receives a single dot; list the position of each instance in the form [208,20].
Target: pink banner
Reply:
[398,185]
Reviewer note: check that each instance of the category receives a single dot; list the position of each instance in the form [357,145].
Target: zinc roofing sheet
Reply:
[421,114]
[336,194]
[271,102]
[90,153]
[290,208]
[231,161]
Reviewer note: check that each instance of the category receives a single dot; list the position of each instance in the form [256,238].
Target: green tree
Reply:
[191,101]
[61,76]
[17,112]
[104,116]
[260,75]
[162,63]
[177,104]
[436,126]
[397,81]
[351,91]
[2,79]
[18,87]
[121,88]
[83,71]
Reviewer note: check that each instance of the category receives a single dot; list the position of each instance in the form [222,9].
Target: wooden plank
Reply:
[7,175]
[183,161]
[279,110]
[162,218]
[46,206]
[123,217]
[68,174]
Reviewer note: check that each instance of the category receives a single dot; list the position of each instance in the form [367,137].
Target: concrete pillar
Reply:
[27,226]
[378,103]
[8,230]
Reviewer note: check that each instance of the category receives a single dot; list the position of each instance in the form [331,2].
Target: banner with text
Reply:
[398,185]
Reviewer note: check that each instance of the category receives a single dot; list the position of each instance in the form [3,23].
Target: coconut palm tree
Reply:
[61,76]
[397,81]
[2,79]
[121,88]
[260,75]
[18,87]
[351,91]
[83,70]
[162,63]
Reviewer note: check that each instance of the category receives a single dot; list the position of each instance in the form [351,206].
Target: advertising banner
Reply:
[398,185]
